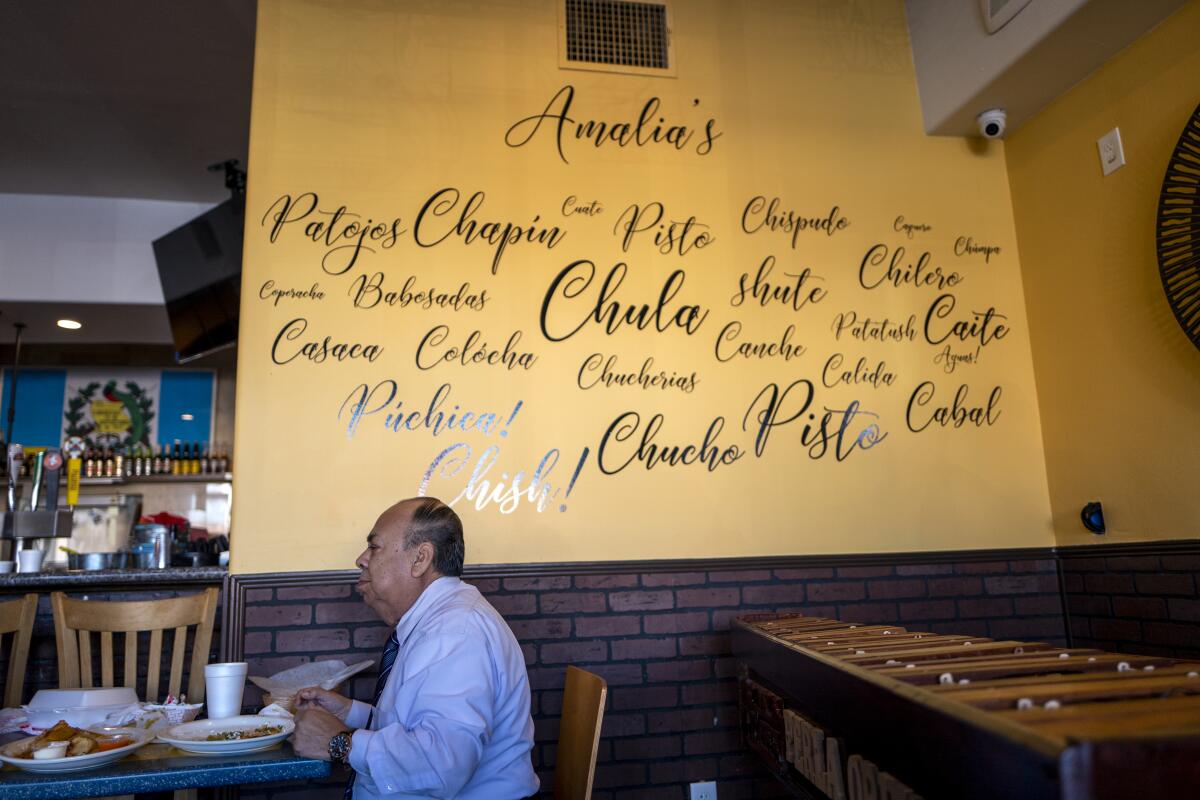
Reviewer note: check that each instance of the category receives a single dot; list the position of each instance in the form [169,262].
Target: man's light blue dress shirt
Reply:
[453,720]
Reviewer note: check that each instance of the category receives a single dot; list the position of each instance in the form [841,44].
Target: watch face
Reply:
[339,747]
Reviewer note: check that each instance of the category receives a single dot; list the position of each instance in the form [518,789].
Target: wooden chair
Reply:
[16,617]
[579,734]
[76,620]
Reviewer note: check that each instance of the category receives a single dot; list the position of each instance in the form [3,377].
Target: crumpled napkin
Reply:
[124,716]
[153,716]
[11,720]
[275,710]
[143,720]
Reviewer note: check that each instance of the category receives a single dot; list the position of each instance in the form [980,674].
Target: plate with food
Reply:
[220,737]
[65,748]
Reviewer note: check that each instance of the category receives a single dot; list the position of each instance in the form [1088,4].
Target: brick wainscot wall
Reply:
[1136,599]
[658,632]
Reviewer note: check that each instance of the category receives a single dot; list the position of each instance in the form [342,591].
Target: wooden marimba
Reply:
[879,712]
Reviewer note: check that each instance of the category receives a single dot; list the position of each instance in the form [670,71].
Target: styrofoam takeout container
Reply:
[78,707]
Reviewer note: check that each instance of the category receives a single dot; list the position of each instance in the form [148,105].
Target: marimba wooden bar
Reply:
[879,712]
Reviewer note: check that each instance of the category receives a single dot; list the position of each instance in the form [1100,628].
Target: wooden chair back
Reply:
[16,617]
[76,620]
[579,734]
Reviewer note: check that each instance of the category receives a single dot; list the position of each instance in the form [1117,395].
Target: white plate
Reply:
[80,763]
[192,737]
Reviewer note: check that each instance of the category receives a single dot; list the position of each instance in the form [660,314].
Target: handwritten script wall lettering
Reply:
[648,128]
[603,316]
[584,300]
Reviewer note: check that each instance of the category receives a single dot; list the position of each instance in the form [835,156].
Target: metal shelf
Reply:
[212,477]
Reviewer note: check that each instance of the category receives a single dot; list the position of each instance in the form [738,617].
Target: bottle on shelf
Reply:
[205,461]
[166,460]
[108,462]
[176,459]
[194,464]
[118,462]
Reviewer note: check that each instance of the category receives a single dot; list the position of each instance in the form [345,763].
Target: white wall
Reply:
[84,249]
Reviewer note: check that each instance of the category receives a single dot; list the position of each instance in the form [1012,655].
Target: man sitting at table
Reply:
[451,712]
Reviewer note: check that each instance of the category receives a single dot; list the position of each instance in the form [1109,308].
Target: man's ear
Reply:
[423,563]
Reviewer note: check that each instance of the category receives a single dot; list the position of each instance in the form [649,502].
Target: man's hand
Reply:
[316,697]
[314,728]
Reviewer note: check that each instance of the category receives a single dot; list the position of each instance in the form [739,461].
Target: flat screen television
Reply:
[200,268]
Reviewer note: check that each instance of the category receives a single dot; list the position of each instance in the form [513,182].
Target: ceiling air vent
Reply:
[998,13]
[616,36]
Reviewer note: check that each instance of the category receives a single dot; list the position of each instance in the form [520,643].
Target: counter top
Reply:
[63,578]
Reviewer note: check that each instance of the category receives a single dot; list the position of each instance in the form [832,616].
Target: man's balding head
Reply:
[435,522]
[413,543]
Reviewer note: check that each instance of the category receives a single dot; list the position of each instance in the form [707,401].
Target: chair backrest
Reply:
[579,734]
[16,617]
[76,620]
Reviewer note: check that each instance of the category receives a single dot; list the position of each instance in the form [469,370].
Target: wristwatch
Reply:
[339,748]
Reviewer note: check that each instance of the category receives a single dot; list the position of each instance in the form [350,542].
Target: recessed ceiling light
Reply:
[186,417]
[70,324]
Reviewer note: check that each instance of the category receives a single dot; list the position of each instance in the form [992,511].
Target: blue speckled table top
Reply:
[158,767]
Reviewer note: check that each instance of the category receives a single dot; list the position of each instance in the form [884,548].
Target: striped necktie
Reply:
[386,662]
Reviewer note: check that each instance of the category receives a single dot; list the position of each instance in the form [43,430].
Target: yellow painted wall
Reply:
[1118,382]
[376,106]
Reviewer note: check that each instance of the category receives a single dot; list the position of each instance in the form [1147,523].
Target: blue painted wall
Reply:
[39,418]
[185,393]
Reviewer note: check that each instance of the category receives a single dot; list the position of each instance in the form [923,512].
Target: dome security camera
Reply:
[992,123]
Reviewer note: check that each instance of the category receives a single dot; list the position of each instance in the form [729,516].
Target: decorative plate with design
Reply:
[1178,230]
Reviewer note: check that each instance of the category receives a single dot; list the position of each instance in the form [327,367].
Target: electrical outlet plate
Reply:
[1112,154]
[706,790]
